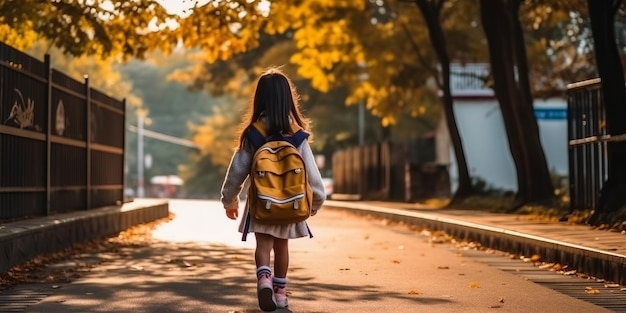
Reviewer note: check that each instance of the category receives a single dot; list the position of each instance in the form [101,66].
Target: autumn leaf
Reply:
[474,285]
[569,273]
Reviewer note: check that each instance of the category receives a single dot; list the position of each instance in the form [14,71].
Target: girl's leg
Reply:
[264,245]
[281,257]
[281,265]
[265,288]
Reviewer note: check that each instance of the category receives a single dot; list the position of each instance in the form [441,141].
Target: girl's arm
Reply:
[237,173]
[315,178]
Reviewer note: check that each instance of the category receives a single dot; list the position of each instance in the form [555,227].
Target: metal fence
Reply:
[588,139]
[61,141]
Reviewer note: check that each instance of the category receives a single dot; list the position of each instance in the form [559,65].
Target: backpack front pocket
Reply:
[281,206]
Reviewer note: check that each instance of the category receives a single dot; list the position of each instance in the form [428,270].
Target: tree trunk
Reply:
[539,187]
[507,55]
[612,199]
[431,11]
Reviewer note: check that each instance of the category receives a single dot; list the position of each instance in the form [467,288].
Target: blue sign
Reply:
[551,113]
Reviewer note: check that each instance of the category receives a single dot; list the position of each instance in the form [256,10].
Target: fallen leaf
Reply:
[546,265]
[443,267]
[474,285]
[591,290]
[535,258]
[572,272]
[414,292]
[73,256]
[611,285]
[501,300]
[395,261]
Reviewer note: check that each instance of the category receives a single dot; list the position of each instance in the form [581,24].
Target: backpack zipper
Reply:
[281,201]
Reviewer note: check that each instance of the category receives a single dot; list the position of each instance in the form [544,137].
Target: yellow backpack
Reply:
[279,190]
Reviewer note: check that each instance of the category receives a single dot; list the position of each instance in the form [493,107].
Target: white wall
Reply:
[486,148]
[553,133]
[484,140]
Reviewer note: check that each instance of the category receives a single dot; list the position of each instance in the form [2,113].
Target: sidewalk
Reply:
[598,253]
[197,263]
[192,272]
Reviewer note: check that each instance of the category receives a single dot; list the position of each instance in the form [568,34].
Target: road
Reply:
[197,263]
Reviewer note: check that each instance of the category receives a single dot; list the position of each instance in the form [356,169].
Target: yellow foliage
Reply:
[19,40]
[218,134]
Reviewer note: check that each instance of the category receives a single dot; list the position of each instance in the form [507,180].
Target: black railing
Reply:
[61,141]
[588,164]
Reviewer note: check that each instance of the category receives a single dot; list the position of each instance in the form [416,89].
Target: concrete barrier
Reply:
[23,240]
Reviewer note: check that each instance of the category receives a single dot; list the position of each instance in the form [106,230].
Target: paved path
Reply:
[354,264]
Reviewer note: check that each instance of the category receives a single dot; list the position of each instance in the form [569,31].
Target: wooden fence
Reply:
[61,141]
[387,171]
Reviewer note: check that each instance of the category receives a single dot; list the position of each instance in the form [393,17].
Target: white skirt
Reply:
[288,231]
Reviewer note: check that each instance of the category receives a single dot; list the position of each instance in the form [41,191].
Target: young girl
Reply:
[275,103]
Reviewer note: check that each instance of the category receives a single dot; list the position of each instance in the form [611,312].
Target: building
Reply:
[482,132]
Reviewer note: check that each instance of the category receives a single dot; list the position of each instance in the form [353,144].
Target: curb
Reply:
[22,241]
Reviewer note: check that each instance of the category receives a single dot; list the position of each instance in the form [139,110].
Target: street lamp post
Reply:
[361,123]
[140,158]
[362,77]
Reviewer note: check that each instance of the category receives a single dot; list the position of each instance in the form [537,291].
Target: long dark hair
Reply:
[277,100]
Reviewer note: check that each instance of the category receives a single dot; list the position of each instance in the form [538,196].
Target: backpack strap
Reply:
[257,135]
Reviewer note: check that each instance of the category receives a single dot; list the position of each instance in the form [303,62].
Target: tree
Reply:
[335,49]
[432,14]
[511,85]
[132,28]
[94,27]
[170,109]
[558,43]
[338,46]
[602,14]
[234,80]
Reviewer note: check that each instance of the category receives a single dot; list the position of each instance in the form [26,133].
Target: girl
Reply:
[275,103]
